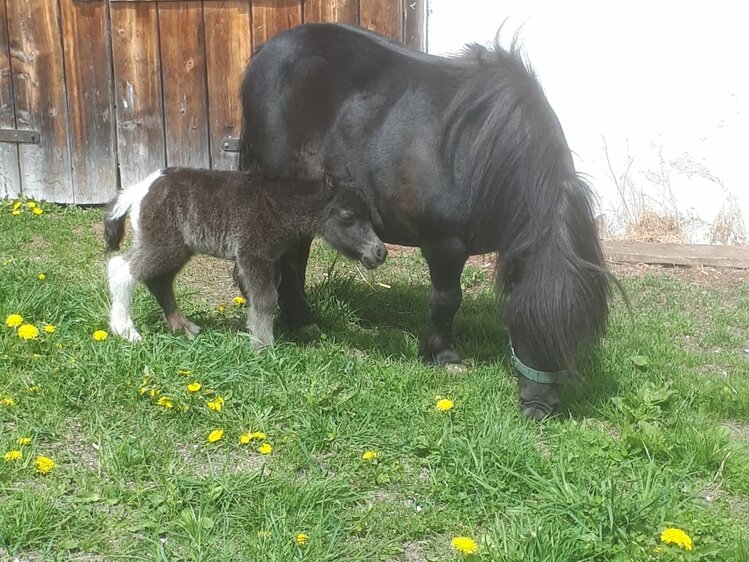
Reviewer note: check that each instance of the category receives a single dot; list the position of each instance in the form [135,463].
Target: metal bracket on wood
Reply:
[20,137]
[230,144]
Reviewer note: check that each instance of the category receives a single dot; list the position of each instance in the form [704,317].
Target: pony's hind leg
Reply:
[162,287]
[121,286]
[446,261]
[257,279]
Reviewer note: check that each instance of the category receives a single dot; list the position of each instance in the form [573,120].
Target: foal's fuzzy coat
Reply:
[179,212]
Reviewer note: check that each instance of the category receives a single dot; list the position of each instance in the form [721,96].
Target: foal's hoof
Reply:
[535,413]
[456,368]
[307,334]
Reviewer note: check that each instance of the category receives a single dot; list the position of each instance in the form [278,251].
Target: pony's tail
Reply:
[558,287]
[118,209]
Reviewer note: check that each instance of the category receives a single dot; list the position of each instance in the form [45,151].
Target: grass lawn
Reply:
[657,437]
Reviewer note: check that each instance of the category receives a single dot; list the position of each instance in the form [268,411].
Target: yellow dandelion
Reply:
[265,449]
[49,328]
[370,455]
[165,402]
[13,320]
[220,308]
[33,388]
[465,545]
[17,205]
[194,387]
[7,401]
[444,405]
[215,435]
[677,537]
[11,456]
[184,372]
[44,464]
[153,392]
[37,211]
[245,438]
[15,212]
[41,276]
[24,440]
[31,204]
[216,404]
[239,301]
[99,335]
[302,539]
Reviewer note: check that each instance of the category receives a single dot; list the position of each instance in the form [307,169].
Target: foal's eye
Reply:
[348,218]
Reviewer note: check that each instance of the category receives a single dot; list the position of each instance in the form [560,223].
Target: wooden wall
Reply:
[119,88]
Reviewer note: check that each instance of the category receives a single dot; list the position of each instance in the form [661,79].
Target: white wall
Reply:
[666,83]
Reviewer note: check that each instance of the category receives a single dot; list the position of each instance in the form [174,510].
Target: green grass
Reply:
[639,448]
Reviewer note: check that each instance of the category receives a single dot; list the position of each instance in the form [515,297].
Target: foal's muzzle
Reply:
[374,256]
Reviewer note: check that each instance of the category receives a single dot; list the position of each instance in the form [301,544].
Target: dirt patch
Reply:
[221,462]
[211,279]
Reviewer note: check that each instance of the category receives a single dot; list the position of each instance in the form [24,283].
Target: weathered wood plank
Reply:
[137,76]
[88,73]
[228,47]
[345,11]
[676,254]
[383,17]
[10,175]
[39,90]
[415,32]
[270,17]
[184,83]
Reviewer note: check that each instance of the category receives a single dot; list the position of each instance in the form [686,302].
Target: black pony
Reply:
[458,156]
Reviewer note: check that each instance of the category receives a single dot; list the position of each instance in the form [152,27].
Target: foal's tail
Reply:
[117,210]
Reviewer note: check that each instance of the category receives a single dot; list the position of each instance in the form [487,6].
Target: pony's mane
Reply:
[507,145]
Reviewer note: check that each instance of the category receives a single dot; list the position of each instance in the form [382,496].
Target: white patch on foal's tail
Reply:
[129,199]
[121,287]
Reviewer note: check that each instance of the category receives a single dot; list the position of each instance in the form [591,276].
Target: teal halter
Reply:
[535,375]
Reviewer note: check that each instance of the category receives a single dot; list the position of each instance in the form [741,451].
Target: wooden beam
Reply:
[707,255]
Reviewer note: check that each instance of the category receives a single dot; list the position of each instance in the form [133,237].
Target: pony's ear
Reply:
[329,187]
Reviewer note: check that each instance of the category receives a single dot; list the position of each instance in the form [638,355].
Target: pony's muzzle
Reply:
[374,256]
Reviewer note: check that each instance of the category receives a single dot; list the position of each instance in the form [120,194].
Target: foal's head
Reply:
[347,225]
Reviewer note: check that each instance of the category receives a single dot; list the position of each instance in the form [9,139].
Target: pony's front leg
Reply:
[446,260]
[296,316]
[258,281]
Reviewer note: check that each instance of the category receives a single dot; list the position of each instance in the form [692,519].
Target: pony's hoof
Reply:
[308,333]
[456,368]
[534,413]
[130,334]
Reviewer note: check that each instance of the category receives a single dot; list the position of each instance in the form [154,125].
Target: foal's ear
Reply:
[329,187]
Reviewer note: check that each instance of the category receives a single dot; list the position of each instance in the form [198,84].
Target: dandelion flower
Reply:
[31,204]
[677,537]
[194,386]
[184,372]
[24,440]
[216,404]
[99,335]
[265,449]
[13,320]
[44,464]
[165,402]
[7,401]
[239,301]
[15,212]
[33,388]
[17,205]
[302,539]
[444,405]
[41,276]
[11,456]
[370,455]
[37,211]
[245,438]
[215,435]
[153,392]
[220,308]
[49,328]
[465,545]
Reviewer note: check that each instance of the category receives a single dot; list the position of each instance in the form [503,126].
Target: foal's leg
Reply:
[296,315]
[162,287]
[121,286]
[446,260]
[258,280]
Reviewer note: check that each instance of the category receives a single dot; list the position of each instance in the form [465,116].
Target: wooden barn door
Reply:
[99,93]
